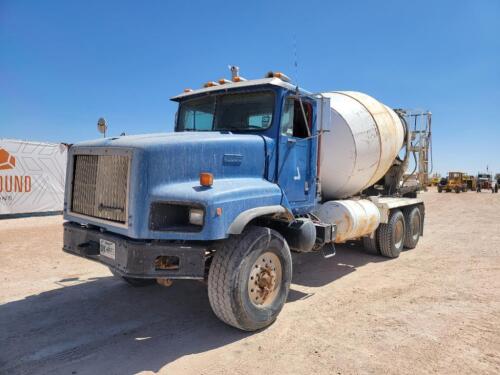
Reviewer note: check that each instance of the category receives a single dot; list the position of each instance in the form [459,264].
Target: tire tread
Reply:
[227,259]
[386,238]
[407,213]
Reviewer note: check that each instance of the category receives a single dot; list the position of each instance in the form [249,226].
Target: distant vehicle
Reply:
[434,181]
[484,181]
[443,182]
[496,181]
[470,181]
[455,182]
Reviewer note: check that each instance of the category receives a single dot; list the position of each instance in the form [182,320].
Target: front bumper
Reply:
[135,258]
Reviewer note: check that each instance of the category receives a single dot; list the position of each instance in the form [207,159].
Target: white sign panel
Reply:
[32,176]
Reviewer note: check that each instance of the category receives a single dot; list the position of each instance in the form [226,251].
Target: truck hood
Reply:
[166,158]
[166,167]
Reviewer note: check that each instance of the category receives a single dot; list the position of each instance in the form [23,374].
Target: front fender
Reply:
[238,200]
[241,221]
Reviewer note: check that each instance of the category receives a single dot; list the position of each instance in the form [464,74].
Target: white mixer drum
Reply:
[360,144]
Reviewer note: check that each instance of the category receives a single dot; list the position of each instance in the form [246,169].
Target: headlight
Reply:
[196,216]
[171,216]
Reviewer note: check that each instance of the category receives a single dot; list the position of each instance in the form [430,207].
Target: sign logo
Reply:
[7,161]
[10,183]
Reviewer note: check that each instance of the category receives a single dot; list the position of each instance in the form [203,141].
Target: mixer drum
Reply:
[360,144]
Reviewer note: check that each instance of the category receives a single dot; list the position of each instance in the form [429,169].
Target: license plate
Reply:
[107,248]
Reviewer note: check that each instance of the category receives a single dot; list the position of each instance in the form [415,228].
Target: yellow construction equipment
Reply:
[454,182]
[434,181]
[470,182]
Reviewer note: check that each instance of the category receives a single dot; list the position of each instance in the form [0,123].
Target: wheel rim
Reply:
[398,234]
[264,282]
[415,227]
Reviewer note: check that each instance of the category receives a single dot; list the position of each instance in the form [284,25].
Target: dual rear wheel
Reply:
[401,231]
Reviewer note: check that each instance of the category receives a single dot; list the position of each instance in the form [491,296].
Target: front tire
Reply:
[392,234]
[249,278]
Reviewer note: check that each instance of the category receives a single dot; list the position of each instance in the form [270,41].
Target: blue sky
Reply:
[63,64]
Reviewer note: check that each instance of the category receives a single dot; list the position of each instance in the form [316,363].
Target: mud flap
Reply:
[328,250]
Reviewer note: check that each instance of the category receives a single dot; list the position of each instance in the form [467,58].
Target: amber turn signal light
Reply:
[206,179]
[211,84]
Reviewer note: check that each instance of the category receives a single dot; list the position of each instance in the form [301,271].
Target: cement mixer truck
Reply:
[254,170]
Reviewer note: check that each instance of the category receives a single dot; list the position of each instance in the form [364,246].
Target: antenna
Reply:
[295,59]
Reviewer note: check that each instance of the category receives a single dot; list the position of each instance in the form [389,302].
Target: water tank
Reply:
[354,218]
[360,144]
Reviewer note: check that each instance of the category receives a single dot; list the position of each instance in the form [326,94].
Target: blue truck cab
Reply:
[223,198]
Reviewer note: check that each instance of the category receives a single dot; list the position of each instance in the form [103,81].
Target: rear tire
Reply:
[413,225]
[392,234]
[134,281]
[440,190]
[249,278]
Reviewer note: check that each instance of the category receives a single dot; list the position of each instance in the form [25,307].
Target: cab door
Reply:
[295,165]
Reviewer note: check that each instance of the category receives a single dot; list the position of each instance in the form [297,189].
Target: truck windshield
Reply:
[232,112]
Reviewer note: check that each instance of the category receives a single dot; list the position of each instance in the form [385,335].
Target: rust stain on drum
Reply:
[347,219]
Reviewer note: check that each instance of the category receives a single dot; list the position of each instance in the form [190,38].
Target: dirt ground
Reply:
[435,309]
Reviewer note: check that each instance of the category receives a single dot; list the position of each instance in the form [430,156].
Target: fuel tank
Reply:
[353,218]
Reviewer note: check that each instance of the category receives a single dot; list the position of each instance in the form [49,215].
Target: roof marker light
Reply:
[223,81]
[279,75]
[211,84]
[238,79]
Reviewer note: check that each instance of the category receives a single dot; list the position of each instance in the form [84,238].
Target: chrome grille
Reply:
[100,186]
